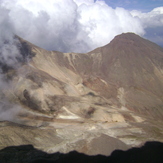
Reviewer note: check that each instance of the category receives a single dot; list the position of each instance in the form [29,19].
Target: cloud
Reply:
[9,52]
[150,19]
[71,25]
[9,59]
[152,23]
[74,25]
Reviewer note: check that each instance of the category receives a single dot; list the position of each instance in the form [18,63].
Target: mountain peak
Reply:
[127,36]
[131,44]
[127,40]
[132,41]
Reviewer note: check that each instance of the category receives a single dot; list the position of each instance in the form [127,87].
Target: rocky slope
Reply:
[94,103]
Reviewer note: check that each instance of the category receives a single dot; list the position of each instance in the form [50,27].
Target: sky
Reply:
[79,25]
[142,5]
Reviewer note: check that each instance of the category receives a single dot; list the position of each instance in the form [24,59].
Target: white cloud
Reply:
[86,2]
[152,23]
[8,49]
[71,25]
[150,19]
[75,25]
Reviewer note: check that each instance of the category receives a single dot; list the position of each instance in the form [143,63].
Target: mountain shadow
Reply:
[150,152]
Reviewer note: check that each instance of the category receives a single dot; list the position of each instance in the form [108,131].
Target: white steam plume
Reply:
[76,25]
[9,56]
[9,52]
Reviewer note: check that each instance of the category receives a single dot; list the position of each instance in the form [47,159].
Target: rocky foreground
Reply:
[110,98]
[151,152]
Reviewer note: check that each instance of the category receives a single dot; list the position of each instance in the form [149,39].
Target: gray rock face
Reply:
[110,96]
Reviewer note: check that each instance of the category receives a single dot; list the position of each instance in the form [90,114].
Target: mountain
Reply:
[94,103]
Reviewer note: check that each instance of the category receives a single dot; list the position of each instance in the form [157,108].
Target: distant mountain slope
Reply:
[111,94]
[129,65]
